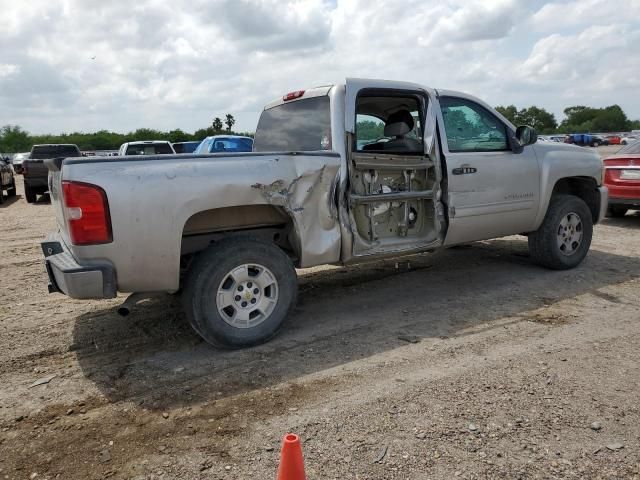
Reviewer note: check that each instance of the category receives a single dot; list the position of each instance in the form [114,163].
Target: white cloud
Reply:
[7,69]
[90,64]
[562,15]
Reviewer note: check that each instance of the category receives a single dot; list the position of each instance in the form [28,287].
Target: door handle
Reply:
[464,170]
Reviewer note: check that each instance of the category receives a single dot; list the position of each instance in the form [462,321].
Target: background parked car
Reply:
[7,181]
[225,143]
[597,140]
[185,147]
[146,147]
[626,140]
[36,173]
[622,176]
[17,160]
[613,139]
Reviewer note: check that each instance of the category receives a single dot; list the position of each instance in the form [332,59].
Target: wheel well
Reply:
[266,222]
[585,188]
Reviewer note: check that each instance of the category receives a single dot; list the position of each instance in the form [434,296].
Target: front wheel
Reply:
[564,238]
[238,292]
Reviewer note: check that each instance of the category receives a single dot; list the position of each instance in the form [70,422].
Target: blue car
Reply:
[225,143]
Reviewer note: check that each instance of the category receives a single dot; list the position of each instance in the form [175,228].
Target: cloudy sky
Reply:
[91,64]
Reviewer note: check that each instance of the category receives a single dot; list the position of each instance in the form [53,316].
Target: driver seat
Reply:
[398,125]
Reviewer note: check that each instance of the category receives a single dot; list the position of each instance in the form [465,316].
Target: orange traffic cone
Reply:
[291,462]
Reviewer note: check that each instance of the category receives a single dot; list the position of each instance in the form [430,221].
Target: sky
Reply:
[87,65]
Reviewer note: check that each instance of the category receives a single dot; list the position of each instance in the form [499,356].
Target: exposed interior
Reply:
[394,183]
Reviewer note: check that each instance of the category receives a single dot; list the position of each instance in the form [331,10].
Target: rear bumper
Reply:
[37,182]
[67,276]
[627,202]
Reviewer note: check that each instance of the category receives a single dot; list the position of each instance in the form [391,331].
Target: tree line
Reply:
[578,119]
[14,139]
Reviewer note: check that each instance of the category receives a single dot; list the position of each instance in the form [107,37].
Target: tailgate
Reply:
[55,191]
[35,168]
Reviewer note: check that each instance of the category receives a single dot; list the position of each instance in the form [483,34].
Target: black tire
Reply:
[205,278]
[543,243]
[1,194]
[30,194]
[617,212]
[11,192]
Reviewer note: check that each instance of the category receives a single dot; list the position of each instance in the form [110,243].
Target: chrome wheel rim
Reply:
[570,233]
[247,295]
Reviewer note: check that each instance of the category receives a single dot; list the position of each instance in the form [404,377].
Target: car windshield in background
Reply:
[631,148]
[153,149]
[225,144]
[54,151]
[302,125]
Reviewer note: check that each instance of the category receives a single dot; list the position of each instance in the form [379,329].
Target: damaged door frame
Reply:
[429,163]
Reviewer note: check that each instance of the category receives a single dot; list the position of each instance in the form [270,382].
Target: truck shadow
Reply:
[153,358]
[8,201]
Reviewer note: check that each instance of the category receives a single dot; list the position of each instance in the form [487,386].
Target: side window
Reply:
[388,123]
[472,128]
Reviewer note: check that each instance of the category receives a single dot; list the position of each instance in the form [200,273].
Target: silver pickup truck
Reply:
[339,174]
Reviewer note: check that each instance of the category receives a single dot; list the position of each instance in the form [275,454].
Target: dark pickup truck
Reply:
[34,170]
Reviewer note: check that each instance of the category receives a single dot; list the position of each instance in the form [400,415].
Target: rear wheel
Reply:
[29,194]
[1,193]
[564,238]
[239,291]
[11,191]
[616,212]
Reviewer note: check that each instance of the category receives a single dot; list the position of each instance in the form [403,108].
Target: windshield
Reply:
[303,125]
[225,144]
[631,148]
[54,151]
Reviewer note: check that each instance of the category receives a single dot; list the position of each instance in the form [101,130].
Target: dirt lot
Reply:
[473,363]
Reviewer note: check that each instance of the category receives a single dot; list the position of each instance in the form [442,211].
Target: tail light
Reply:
[293,95]
[86,211]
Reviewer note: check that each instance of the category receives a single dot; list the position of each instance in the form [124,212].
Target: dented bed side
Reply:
[152,199]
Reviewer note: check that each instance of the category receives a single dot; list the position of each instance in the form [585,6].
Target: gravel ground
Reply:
[473,363]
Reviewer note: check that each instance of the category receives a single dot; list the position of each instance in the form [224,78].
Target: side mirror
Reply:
[526,135]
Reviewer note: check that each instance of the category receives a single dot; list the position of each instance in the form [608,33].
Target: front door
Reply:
[492,191]
[394,178]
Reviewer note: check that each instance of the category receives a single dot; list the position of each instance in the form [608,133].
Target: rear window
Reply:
[185,147]
[152,149]
[302,125]
[631,148]
[54,151]
[225,144]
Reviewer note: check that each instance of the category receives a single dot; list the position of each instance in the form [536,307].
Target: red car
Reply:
[614,139]
[622,177]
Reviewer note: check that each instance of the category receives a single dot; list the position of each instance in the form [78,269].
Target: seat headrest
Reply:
[399,123]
